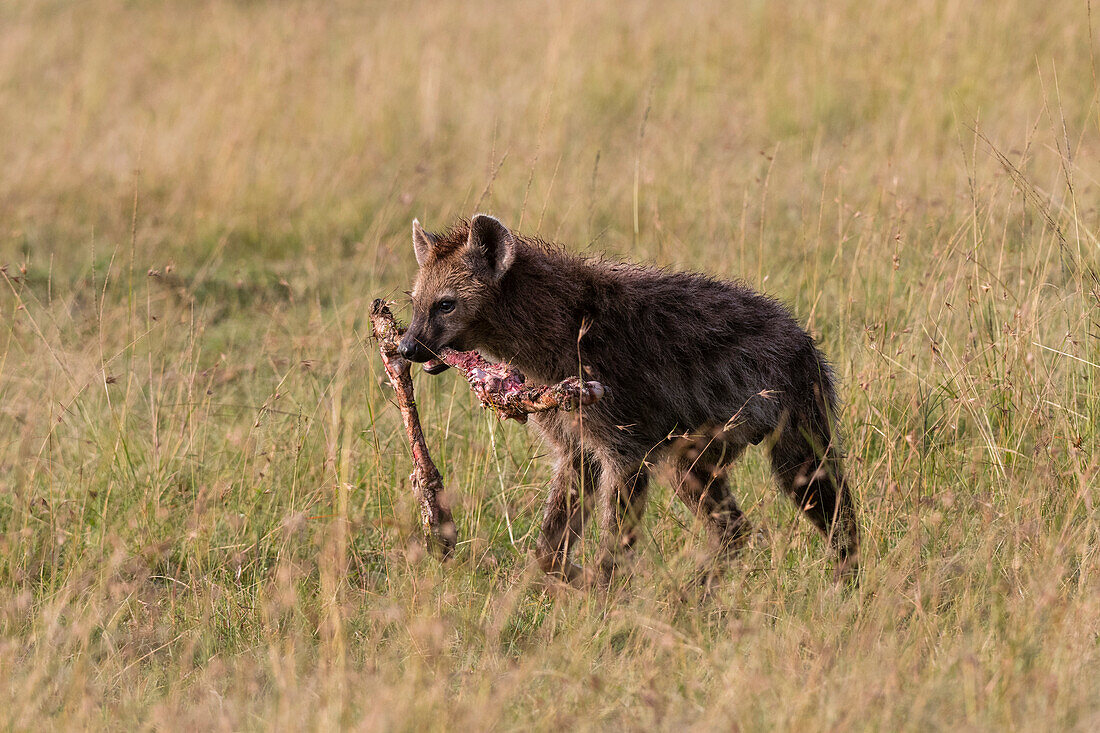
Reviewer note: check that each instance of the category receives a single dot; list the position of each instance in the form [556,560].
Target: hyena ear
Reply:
[422,243]
[491,240]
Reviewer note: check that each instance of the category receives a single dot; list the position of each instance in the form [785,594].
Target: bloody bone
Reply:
[503,388]
[439,528]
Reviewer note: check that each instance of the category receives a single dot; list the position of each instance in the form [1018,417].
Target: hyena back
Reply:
[698,369]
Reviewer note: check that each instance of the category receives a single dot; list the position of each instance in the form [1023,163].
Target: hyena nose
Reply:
[409,348]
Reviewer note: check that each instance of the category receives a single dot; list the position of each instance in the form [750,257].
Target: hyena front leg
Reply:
[622,496]
[571,491]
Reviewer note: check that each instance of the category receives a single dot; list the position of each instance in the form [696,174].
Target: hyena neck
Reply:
[534,322]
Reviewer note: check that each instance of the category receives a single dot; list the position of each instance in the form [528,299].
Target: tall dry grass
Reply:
[204,515]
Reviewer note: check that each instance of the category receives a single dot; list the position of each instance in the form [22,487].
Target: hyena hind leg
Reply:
[809,469]
[699,478]
[567,509]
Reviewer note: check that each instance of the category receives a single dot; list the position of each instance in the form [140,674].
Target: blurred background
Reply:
[204,513]
[671,132]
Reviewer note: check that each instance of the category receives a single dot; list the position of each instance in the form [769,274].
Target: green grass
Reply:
[205,515]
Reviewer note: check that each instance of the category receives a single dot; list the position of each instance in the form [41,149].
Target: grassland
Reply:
[205,518]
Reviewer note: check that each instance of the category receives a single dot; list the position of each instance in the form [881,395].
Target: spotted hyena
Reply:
[698,369]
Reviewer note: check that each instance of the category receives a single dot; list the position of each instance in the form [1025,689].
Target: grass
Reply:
[205,517]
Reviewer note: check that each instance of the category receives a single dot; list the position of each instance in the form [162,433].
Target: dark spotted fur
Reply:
[698,369]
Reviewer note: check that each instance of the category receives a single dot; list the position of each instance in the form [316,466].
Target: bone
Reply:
[503,388]
[500,387]
[427,483]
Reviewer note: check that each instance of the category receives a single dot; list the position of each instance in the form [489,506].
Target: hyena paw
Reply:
[560,568]
[847,570]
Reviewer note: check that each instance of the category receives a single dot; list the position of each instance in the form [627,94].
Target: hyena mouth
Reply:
[435,366]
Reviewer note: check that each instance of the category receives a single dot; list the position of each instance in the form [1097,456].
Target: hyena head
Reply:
[459,276]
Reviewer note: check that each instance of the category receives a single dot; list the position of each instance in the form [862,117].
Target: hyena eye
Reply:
[445,306]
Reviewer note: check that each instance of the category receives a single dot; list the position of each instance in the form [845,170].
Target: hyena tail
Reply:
[808,464]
